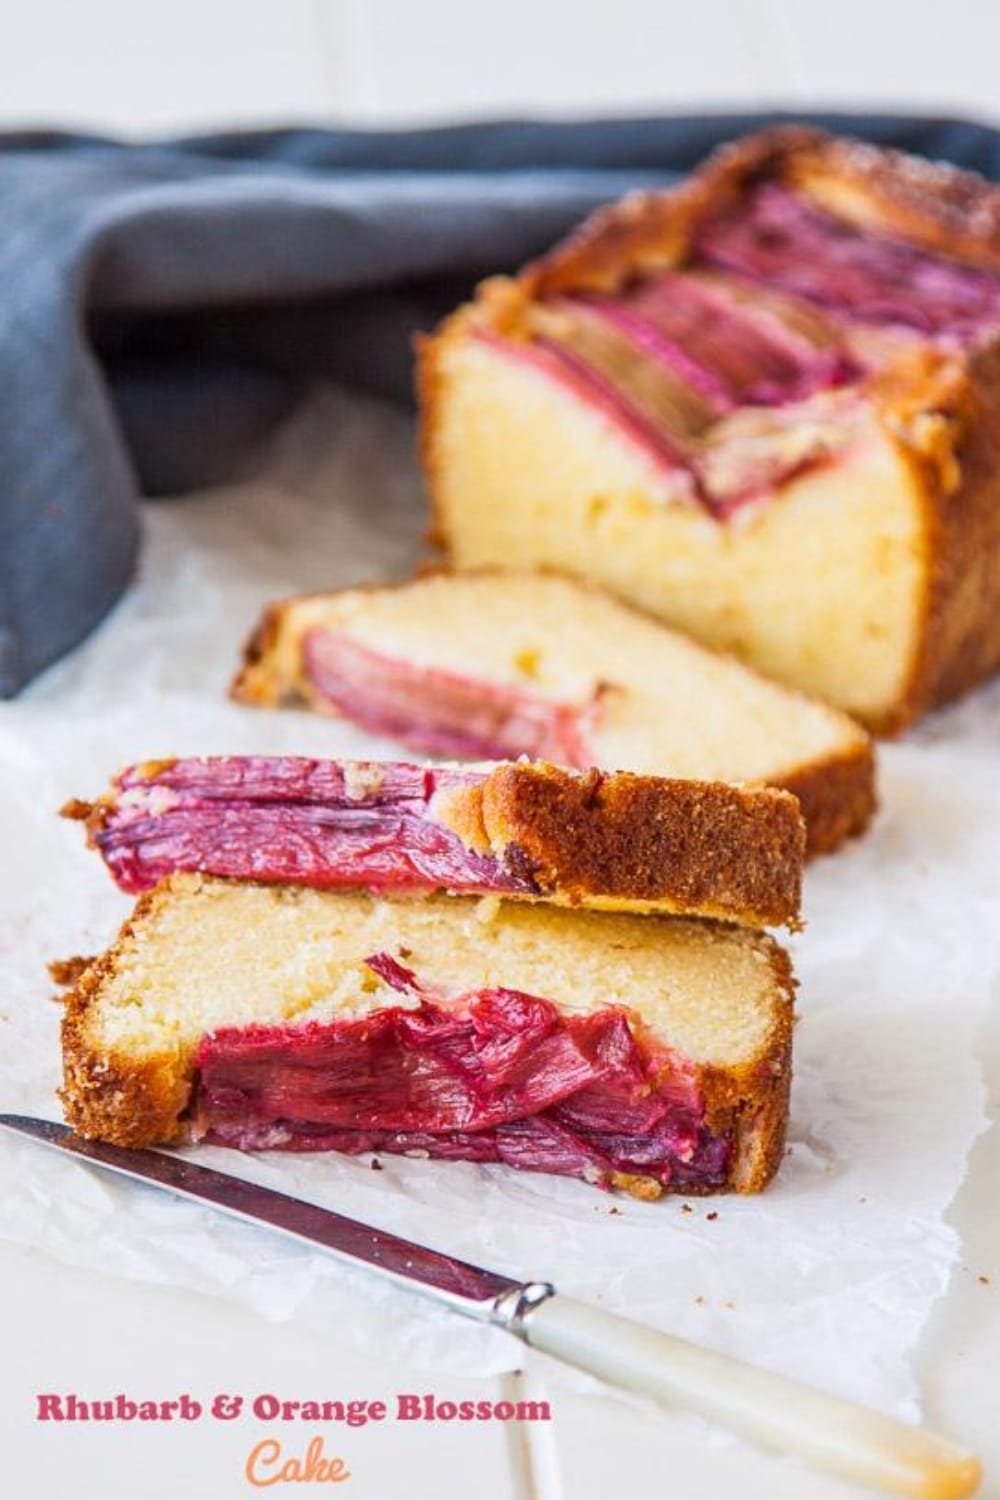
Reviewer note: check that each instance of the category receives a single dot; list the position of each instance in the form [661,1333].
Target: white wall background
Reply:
[126,66]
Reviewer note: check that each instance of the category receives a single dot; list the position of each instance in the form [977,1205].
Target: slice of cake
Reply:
[636,1052]
[764,406]
[524,830]
[499,664]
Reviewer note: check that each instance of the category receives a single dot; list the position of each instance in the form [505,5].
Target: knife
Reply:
[770,1410]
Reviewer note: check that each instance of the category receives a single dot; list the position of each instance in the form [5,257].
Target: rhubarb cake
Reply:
[643,1053]
[525,830]
[500,664]
[764,406]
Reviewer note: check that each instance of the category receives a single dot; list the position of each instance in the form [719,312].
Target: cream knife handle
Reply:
[823,1430]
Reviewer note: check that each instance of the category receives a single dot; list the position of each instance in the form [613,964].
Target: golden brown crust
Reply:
[139,1101]
[111,1096]
[940,410]
[932,204]
[838,796]
[960,638]
[700,847]
[752,1101]
[255,682]
[67,972]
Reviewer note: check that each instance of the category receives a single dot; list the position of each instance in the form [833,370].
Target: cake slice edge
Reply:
[135,1099]
[837,791]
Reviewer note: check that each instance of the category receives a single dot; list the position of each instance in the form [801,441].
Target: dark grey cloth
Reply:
[162,305]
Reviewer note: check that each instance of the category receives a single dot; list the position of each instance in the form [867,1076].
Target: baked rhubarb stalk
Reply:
[638,1054]
[764,406]
[524,830]
[500,664]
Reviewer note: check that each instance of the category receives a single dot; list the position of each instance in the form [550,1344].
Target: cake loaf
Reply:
[763,406]
[501,664]
[643,1053]
[525,831]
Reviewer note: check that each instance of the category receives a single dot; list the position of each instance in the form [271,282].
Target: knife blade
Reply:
[461,1286]
[770,1410]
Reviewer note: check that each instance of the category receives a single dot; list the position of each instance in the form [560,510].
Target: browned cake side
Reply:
[705,847]
[110,1095]
[837,796]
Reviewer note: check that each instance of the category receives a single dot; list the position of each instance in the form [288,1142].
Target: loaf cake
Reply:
[643,1053]
[764,406]
[501,664]
[524,830]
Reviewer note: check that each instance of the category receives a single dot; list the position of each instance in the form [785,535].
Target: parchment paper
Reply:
[828,1276]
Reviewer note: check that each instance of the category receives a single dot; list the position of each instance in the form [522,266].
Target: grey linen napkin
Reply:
[163,305]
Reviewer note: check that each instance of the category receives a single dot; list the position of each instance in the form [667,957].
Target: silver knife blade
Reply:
[463,1287]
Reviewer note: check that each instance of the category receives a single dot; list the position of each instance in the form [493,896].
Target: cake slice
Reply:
[642,1053]
[524,830]
[763,406]
[501,664]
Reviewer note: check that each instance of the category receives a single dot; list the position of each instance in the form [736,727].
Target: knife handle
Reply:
[825,1431]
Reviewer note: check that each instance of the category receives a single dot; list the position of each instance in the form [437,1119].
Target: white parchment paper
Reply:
[828,1276]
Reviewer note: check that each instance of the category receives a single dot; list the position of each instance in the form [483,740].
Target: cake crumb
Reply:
[686,1208]
[362,779]
[376,1164]
[528,661]
[68,971]
[713,1215]
[984,1280]
[699,1302]
[729,1304]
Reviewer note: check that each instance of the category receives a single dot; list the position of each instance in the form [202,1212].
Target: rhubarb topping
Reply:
[747,367]
[493,1076]
[716,340]
[443,712]
[741,457]
[776,238]
[290,819]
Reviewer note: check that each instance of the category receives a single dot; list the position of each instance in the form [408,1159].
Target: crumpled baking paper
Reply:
[827,1277]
